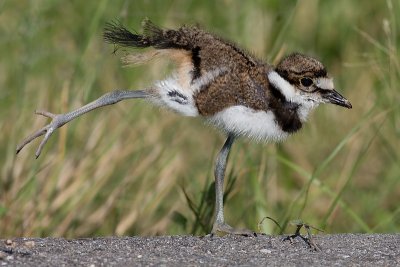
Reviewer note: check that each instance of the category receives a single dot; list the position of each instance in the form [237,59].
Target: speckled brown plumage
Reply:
[247,88]
[244,83]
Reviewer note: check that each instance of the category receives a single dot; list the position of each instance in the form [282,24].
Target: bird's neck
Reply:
[290,98]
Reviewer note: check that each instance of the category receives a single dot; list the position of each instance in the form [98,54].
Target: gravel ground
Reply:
[340,250]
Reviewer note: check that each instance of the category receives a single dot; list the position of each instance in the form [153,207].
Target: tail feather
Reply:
[153,36]
[116,33]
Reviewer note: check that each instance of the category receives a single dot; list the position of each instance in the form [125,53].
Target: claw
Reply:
[31,138]
[57,122]
[44,141]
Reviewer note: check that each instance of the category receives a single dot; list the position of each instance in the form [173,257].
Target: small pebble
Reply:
[266,251]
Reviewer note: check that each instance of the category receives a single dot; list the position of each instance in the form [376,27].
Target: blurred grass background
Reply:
[132,169]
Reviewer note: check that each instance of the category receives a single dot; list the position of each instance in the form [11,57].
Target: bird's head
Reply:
[304,80]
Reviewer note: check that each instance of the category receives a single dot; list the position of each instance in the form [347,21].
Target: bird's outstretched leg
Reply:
[59,120]
[219,172]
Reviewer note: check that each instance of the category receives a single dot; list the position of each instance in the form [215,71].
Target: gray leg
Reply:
[219,172]
[59,120]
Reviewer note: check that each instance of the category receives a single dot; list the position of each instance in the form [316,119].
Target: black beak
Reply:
[335,98]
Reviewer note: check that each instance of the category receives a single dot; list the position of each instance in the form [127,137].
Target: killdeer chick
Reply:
[228,87]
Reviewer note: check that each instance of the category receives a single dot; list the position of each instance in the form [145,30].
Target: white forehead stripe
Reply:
[325,83]
[282,85]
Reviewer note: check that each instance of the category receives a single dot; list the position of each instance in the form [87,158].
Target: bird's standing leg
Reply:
[59,120]
[219,172]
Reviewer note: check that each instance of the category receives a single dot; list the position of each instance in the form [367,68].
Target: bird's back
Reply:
[207,50]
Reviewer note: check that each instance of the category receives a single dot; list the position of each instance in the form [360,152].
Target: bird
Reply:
[216,80]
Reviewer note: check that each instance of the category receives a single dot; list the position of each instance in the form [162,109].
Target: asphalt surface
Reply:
[339,250]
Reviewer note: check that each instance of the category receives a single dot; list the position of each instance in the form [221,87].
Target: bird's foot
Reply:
[227,229]
[58,120]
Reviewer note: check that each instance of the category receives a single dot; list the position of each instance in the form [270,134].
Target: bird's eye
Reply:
[306,82]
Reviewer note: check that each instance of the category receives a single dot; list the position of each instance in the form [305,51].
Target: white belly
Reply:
[243,121]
